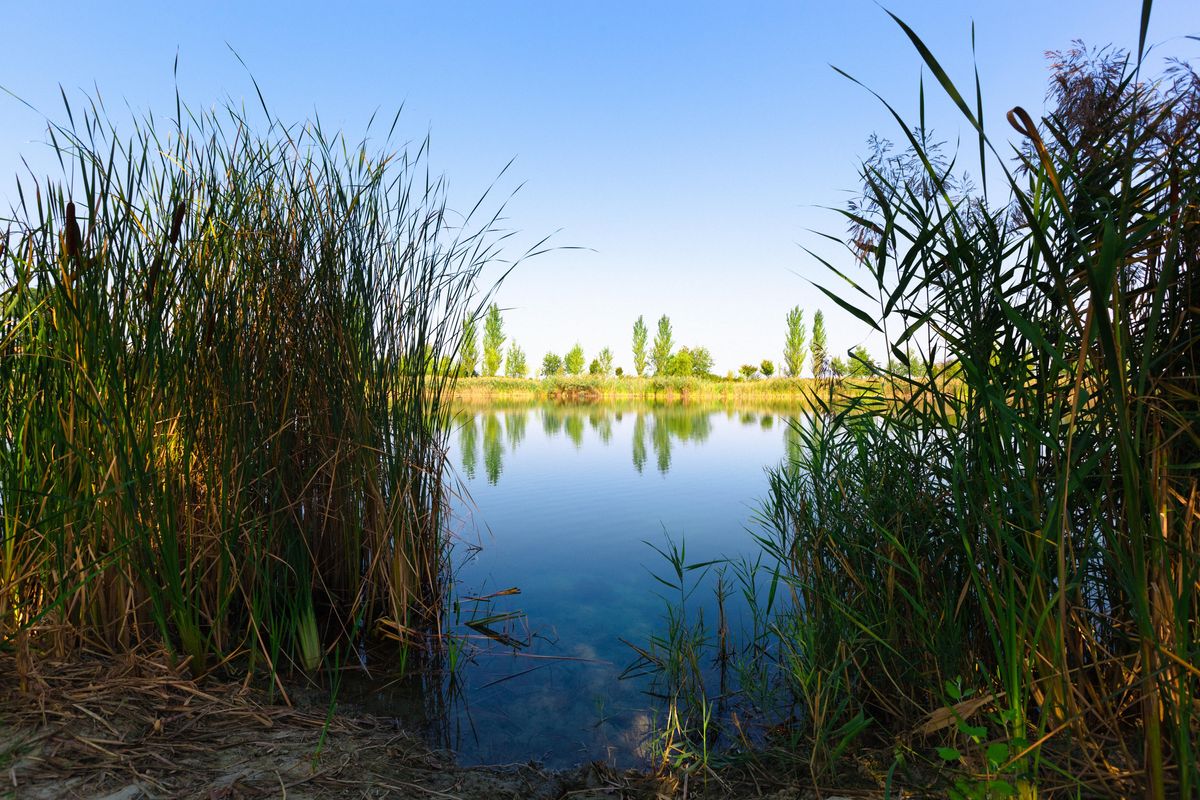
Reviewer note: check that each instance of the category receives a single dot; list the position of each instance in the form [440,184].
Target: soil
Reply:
[134,727]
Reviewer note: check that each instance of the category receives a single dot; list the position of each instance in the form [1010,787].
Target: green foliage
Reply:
[230,431]
[574,360]
[702,362]
[640,335]
[838,368]
[594,367]
[605,362]
[493,340]
[820,348]
[1026,523]
[468,353]
[748,371]
[620,372]
[862,365]
[681,364]
[793,346]
[514,362]
[767,367]
[551,365]
[660,356]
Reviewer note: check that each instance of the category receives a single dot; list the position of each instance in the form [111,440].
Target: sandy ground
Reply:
[92,728]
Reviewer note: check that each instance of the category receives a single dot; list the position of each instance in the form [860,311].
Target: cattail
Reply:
[177,221]
[74,238]
[172,238]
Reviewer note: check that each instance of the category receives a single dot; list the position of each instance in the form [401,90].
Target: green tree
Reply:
[837,368]
[514,362]
[493,340]
[606,362]
[820,351]
[793,346]
[768,367]
[663,343]
[620,372]
[468,352]
[574,360]
[702,362]
[639,346]
[551,365]
[681,364]
[861,363]
[594,367]
[748,371]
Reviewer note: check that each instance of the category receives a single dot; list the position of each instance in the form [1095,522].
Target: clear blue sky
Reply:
[689,145]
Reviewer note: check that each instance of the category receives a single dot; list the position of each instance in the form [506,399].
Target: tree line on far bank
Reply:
[661,358]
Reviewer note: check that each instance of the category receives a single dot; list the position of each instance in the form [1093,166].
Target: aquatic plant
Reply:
[1000,573]
[220,424]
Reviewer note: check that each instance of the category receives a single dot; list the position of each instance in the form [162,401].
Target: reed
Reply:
[985,584]
[221,425]
[1002,578]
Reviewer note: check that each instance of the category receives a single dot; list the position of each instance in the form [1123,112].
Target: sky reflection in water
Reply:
[562,500]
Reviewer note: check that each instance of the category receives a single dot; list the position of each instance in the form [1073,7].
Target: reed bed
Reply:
[222,429]
[992,584]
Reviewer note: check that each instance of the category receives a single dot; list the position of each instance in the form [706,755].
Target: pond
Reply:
[560,507]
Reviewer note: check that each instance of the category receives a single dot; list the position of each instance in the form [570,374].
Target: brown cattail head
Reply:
[177,221]
[74,238]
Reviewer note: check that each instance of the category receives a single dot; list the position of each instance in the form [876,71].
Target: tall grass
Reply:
[982,575]
[221,426]
[1002,575]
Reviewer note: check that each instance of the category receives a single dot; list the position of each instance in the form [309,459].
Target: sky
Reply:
[681,156]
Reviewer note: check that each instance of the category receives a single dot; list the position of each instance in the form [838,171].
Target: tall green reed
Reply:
[1004,563]
[223,428]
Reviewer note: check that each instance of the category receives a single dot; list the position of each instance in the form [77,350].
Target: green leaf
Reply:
[997,753]
[949,754]
[974,731]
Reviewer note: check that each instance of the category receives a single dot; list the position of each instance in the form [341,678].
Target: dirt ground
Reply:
[136,728]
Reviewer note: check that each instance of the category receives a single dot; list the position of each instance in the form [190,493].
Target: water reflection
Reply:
[565,569]
[661,429]
[468,446]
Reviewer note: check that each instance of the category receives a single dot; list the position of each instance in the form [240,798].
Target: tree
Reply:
[493,340]
[620,372]
[661,354]
[514,362]
[681,364]
[551,365]
[468,352]
[748,371]
[605,360]
[820,352]
[639,346]
[837,368]
[793,345]
[594,367]
[574,360]
[768,367]
[861,363]
[702,362]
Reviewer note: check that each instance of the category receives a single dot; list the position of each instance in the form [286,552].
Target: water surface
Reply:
[560,503]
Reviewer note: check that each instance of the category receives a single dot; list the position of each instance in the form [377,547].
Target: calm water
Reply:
[562,502]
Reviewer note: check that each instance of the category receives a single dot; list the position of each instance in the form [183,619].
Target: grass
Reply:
[995,584]
[221,428]
[590,388]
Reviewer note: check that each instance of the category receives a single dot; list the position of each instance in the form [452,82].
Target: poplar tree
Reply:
[793,346]
[493,341]
[661,354]
[468,353]
[820,350]
[639,346]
